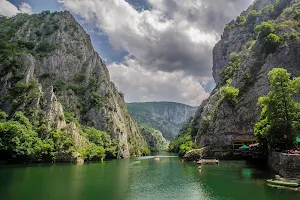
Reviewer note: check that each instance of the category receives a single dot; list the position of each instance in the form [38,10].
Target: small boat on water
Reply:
[283,183]
[208,161]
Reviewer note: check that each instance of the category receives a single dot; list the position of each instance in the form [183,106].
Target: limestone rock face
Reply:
[218,122]
[54,110]
[72,79]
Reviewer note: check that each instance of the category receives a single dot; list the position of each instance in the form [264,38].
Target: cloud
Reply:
[25,8]
[8,9]
[172,36]
[139,84]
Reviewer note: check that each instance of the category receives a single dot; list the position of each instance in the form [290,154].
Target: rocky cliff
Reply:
[49,69]
[167,117]
[265,36]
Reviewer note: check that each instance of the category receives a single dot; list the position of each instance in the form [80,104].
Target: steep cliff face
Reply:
[167,117]
[53,51]
[242,59]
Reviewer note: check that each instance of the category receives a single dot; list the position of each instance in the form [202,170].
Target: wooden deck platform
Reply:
[208,162]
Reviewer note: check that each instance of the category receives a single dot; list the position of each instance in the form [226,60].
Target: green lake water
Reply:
[139,179]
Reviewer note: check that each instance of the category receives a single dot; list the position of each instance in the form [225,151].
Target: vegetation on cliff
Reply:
[183,142]
[56,97]
[280,116]
[262,38]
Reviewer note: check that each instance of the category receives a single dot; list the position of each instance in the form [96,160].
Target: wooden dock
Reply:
[213,161]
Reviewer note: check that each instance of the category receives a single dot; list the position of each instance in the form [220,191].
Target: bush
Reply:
[95,99]
[145,151]
[297,15]
[234,65]
[240,20]
[27,45]
[93,152]
[272,41]
[230,94]
[3,115]
[264,29]
[79,78]
[19,142]
[252,16]
[45,47]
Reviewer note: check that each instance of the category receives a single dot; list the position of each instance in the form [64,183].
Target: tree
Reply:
[3,115]
[279,120]
[272,41]
[252,16]
[19,142]
[230,94]
[264,29]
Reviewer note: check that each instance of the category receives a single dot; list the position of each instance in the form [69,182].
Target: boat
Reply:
[283,183]
[294,180]
[208,161]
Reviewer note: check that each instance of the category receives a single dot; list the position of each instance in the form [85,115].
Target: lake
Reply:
[139,179]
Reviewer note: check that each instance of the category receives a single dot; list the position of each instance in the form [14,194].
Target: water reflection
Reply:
[139,179]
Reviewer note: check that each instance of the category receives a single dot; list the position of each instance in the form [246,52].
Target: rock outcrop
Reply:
[218,121]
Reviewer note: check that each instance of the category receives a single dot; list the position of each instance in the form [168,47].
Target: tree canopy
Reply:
[280,116]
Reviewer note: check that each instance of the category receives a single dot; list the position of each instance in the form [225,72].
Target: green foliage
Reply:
[269,9]
[230,94]
[45,47]
[183,142]
[19,142]
[70,117]
[27,45]
[186,147]
[101,139]
[234,65]
[297,15]
[272,41]
[145,151]
[95,99]
[266,33]
[240,20]
[287,11]
[252,16]
[79,78]
[280,116]
[93,152]
[45,12]
[264,29]
[205,122]
[3,115]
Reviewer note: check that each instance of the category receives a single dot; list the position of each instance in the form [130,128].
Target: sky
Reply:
[155,50]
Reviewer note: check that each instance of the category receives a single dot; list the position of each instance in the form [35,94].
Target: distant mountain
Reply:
[167,117]
[154,138]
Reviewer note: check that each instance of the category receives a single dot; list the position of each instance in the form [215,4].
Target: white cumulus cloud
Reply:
[8,9]
[139,84]
[25,8]
[173,38]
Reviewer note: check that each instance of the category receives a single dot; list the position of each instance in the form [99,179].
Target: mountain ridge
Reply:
[167,117]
